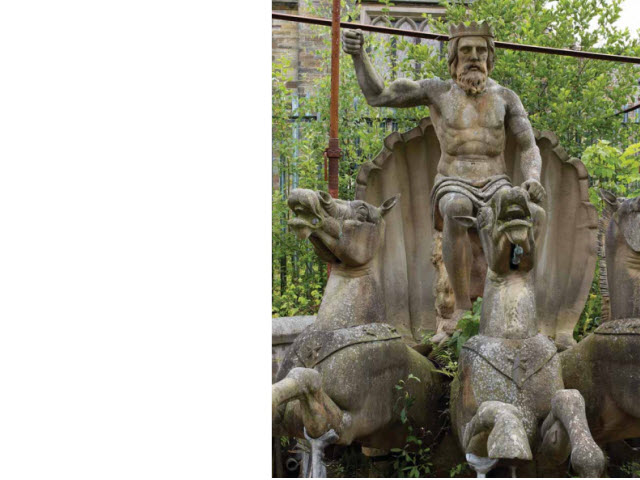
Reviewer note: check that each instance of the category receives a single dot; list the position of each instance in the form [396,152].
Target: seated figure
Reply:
[477,142]
[469,112]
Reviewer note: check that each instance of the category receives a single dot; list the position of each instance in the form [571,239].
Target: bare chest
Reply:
[459,111]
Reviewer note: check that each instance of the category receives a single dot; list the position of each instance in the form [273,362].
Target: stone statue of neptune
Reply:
[469,113]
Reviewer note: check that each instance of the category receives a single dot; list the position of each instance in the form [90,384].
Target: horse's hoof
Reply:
[587,459]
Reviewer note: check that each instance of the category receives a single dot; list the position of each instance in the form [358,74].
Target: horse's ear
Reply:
[610,199]
[465,221]
[324,197]
[388,204]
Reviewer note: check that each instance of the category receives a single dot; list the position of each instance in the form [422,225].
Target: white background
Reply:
[135,239]
[630,16]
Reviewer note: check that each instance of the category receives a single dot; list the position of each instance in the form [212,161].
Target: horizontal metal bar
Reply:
[629,109]
[445,38]
[368,28]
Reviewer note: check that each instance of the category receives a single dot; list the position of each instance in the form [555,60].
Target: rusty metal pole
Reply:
[333,152]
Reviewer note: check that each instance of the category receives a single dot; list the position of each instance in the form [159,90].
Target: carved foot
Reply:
[507,437]
[564,341]
[315,466]
[447,326]
[568,407]
[440,338]
[587,459]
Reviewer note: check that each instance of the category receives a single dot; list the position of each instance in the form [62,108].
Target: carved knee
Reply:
[507,438]
[308,379]
[489,410]
[454,205]
[567,397]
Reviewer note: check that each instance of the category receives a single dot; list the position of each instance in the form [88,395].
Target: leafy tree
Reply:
[618,171]
[612,169]
[574,98]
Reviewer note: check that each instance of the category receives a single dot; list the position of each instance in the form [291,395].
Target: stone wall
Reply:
[284,331]
[297,42]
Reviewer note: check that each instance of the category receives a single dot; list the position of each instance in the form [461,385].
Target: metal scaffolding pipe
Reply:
[441,37]
[333,151]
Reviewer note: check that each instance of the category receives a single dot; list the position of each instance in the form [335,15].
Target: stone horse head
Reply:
[336,382]
[508,401]
[508,227]
[347,235]
[343,233]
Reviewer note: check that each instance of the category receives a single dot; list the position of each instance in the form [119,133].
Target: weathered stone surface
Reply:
[621,326]
[509,402]
[315,346]
[340,372]
[510,378]
[471,113]
[347,235]
[412,163]
[284,331]
[518,360]
[621,255]
[605,366]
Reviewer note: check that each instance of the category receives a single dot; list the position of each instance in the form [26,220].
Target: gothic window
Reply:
[382,54]
[405,24]
[389,59]
[437,45]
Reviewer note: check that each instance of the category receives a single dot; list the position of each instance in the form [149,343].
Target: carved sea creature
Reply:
[509,401]
[340,373]
[605,366]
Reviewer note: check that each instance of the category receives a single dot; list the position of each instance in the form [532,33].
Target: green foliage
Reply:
[615,170]
[574,98]
[612,169]
[632,469]
[461,469]
[413,460]
[468,326]
[446,354]
[351,464]
[300,133]
[591,315]
[298,277]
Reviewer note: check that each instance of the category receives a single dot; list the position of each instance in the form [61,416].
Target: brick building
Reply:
[297,42]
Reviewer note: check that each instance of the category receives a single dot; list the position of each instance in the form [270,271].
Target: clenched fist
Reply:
[352,41]
[536,191]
